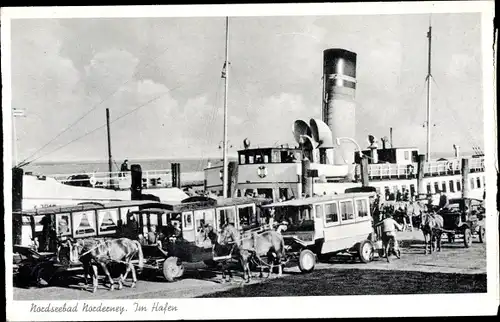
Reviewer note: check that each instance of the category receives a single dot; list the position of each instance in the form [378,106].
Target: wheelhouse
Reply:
[327,223]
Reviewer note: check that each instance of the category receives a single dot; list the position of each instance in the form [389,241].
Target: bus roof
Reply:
[318,199]
[88,206]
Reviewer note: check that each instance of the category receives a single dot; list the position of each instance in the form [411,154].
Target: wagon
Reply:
[39,254]
[464,218]
[321,227]
[179,230]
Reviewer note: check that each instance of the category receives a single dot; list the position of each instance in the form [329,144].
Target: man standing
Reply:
[124,168]
[389,227]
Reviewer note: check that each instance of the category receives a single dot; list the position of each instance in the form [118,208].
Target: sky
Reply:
[161,80]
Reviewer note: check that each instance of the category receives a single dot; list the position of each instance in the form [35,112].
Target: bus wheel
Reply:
[307,261]
[365,251]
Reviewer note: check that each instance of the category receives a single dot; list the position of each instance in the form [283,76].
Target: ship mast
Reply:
[110,158]
[225,75]
[428,80]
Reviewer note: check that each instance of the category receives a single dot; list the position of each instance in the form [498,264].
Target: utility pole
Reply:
[225,75]
[110,158]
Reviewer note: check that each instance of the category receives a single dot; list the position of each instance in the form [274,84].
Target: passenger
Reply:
[152,236]
[389,227]
[443,201]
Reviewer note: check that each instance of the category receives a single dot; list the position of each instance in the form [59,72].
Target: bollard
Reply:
[364,172]
[465,177]
[306,181]
[420,175]
[233,178]
[136,186]
[17,204]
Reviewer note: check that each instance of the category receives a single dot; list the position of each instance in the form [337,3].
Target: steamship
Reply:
[327,160]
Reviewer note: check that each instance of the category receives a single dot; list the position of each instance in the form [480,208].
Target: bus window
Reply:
[319,211]
[247,217]
[362,208]
[227,216]
[188,220]
[331,213]
[346,210]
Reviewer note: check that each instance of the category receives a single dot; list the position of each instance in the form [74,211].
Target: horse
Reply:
[432,227]
[93,252]
[253,245]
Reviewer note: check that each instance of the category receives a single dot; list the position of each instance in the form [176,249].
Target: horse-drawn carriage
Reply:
[39,251]
[181,230]
[320,227]
[464,217]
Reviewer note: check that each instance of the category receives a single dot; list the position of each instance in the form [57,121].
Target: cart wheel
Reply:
[482,234]
[171,269]
[467,238]
[307,260]
[365,251]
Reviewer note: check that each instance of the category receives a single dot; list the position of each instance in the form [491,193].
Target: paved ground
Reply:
[453,270]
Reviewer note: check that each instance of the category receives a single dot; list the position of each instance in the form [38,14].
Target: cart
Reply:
[464,218]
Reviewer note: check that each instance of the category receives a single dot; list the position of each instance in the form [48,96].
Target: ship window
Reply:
[266,192]
[452,187]
[443,185]
[407,155]
[436,187]
[331,213]
[250,159]
[346,210]
[242,159]
[362,208]
[429,188]
[472,183]
[478,182]
[276,157]
[266,158]
[459,186]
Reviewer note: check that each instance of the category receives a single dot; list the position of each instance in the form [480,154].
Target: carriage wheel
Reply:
[307,260]
[365,251]
[467,237]
[171,269]
[482,234]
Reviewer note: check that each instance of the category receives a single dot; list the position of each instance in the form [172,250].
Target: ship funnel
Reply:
[339,89]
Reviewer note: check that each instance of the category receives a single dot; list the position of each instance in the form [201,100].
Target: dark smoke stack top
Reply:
[340,63]
[339,107]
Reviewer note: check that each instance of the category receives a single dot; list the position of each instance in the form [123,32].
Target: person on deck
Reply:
[124,168]
[389,228]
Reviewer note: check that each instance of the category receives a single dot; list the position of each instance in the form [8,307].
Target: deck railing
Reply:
[116,180]
[409,171]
